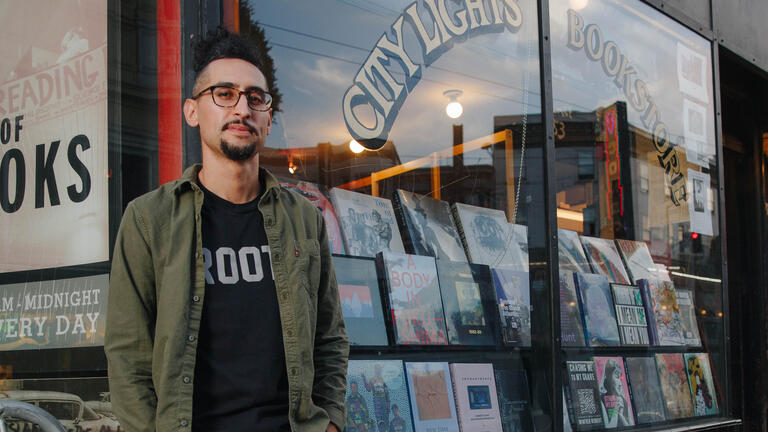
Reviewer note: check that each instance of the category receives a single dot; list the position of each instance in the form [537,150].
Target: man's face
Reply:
[237,132]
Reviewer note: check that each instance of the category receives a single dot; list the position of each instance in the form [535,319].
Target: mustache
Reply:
[250,128]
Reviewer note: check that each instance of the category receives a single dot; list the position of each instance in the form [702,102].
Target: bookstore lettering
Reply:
[614,63]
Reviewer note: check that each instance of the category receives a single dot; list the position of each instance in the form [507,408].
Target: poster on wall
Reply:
[695,133]
[692,73]
[699,200]
[63,313]
[53,134]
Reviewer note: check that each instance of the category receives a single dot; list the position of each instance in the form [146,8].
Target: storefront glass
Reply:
[636,163]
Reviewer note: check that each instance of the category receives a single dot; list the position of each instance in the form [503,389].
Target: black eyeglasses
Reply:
[227,97]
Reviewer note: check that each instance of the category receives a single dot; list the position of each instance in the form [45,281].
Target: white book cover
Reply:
[368,223]
[432,403]
[486,235]
[477,405]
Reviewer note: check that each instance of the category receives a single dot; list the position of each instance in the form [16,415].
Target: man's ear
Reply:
[190,112]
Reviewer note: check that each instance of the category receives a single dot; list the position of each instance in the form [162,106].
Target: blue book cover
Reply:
[597,309]
[514,301]
[360,299]
[377,397]
[571,327]
[432,402]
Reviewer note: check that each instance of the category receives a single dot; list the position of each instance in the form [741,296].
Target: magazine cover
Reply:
[415,303]
[674,385]
[571,327]
[514,301]
[605,259]
[702,386]
[660,298]
[637,258]
[377,397]
[474,389]
[647,397]
[583,396]
[427,226]
[615,402]
[432,402]
[571,252]
[317,195]
[485,234]
[514,399]
[368,223]
[597,308]
[489,239]
[630,314]
[688,319]
[361,300]
[468,302]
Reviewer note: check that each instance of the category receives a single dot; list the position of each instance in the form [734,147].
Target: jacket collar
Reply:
[188,179]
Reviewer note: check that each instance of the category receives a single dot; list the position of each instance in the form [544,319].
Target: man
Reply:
[224,312]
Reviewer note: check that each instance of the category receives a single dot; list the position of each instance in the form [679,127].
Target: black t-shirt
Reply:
[240,376]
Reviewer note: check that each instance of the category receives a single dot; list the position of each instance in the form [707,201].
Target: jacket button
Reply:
[186,380]
[270,222]
[191,338]
[195,299]
[183,423]
[289,333]
[277,256]
[284,296]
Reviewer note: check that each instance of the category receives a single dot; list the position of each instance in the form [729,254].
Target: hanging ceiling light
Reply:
[454,108]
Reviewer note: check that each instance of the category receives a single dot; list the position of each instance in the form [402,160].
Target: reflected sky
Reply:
[319,47]
[655,47]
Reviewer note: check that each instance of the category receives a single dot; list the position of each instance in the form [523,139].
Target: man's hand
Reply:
[331,428]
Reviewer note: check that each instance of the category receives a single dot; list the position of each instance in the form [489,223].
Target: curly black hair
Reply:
[250,46]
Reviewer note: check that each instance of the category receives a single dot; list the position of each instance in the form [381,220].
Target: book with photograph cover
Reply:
[638,261]
[360,299]
[468,302]
[318,195]
[583,396]
[571,327]
[487,237]
[567,424]
[630,315]
[647,397]
[432,402]
[427,226]
[702,386]
[368,223]
[662,311]
[477,404]
[413,294]
[513,298]
[605,259]
[571,252]
[377,397]
[600,326]
[674,385]
[514,399]
[615,402]
[685,302]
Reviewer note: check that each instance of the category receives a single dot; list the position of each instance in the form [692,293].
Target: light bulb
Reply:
[454,109]
[355,147]
[579,4]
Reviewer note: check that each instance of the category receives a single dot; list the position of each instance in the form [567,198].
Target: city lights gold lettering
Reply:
[437,24]
[614,63]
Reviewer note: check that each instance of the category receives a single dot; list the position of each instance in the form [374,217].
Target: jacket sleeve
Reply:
[129,338]
[331,343]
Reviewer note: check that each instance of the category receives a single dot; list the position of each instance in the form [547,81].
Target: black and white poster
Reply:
[700,202]
[53,134]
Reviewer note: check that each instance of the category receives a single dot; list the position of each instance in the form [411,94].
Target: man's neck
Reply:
[234,181]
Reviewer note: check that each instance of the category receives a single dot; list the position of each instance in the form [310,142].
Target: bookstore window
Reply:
[416,128]
[641,283]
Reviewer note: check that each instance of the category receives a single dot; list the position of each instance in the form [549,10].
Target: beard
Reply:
[238,153]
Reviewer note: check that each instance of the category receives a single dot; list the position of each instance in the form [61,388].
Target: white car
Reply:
[68,408]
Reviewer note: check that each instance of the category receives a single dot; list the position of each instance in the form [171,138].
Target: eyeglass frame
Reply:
[267,97]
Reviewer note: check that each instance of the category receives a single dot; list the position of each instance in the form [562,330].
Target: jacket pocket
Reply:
[309,263]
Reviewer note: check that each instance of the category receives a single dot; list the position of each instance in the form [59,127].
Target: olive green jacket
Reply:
[156,297]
